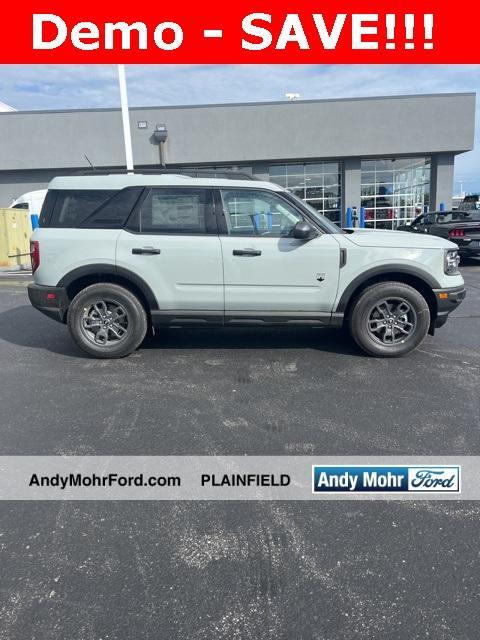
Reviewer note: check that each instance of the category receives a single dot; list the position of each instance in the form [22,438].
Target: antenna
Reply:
[89,162]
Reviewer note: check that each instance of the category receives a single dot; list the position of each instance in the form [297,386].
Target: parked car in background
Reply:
[32,200]
[461,227]
[456,202]
[470,202]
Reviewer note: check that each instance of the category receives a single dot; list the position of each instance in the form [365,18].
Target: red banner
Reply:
[251,32]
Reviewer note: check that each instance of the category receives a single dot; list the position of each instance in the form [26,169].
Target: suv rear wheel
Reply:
[107,320]
[389,319]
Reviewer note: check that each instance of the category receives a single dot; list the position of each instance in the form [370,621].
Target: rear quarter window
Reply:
[68,209]
[47,209]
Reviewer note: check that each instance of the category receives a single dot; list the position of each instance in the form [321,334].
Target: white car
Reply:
[33,201]
[117,254]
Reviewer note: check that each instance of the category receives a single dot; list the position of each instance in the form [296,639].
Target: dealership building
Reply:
[391,156]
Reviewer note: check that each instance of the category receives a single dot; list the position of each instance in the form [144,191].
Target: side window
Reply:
[114,213]
[175,211]
[73,207]
[430,218]
[258,213]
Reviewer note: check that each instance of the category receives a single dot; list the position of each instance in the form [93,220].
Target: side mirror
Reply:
[303,231]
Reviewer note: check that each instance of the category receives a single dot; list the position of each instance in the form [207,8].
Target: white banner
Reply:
[239,478]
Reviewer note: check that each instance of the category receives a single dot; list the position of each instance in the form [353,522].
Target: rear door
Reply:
[267,272]
[171,242]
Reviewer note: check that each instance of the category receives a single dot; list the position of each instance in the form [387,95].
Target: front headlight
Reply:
[451,262]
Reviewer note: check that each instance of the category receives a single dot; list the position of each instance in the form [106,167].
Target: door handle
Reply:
[147,251]
[247,252]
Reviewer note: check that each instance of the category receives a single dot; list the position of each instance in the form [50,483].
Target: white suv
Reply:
[117,254]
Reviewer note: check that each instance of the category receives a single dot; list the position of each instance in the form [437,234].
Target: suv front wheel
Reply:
[107,320]
[389,319]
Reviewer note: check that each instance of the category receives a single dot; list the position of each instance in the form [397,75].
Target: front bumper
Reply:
[52,301]
[447,301]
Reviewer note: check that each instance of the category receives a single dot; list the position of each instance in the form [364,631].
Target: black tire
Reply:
[94,308]
[370,326]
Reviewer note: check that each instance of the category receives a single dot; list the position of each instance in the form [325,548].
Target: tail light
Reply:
[35,254]
[457,233]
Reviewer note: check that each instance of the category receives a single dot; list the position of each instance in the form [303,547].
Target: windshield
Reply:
[321,219]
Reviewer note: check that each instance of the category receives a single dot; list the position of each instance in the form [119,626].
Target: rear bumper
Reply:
[467,246]
[469,251]
[52,301]
[447,301]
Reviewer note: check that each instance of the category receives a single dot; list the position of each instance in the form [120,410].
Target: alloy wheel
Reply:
[392,321]
[105,322]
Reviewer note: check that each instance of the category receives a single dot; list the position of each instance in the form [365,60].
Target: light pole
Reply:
[127,136]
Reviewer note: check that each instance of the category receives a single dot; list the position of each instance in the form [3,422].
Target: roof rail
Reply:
[192,173]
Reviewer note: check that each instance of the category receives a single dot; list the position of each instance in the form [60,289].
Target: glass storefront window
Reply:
[394,190]
[318,183]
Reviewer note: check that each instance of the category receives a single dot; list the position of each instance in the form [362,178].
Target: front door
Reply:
[172,243]
[267,272]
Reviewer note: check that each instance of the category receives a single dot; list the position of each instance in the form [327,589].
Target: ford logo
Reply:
[434,479]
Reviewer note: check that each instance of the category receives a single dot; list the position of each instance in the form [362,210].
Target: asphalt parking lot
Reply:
[226,570]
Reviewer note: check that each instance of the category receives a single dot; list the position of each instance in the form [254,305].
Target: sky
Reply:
[28,87]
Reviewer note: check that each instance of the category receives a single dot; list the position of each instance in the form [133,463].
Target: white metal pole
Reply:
[127,136]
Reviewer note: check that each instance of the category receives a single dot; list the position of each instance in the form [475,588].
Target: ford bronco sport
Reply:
[117,254]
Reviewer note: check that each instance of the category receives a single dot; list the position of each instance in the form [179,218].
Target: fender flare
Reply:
[110,269]
[426,277]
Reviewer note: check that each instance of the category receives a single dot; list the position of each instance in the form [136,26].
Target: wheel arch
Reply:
[76,280]
[416,278]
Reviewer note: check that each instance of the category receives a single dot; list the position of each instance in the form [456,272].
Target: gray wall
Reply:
[15,183]
[242,133]
[36,146]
